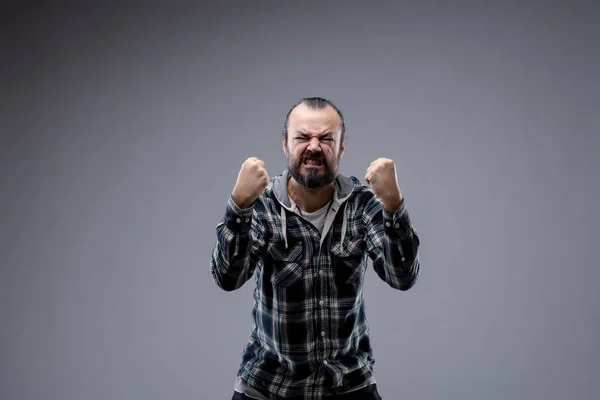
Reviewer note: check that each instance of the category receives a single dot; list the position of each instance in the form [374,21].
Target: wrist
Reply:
[393,204]
[242,203]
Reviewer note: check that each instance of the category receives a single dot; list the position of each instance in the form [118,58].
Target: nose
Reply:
[314,144]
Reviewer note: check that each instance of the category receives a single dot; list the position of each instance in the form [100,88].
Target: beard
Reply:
[311,179]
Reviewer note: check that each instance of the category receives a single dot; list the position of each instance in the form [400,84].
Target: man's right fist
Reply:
[251,182]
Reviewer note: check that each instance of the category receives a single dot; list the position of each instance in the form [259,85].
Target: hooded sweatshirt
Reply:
[310,336]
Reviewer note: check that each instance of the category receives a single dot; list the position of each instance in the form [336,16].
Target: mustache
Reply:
[316,156]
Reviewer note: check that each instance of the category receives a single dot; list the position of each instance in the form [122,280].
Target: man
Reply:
[306,236]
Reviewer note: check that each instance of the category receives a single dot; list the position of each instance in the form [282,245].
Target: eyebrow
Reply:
[304,134]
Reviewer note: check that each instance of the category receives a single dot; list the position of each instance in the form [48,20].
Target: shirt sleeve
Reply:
[392,244]
[239,243]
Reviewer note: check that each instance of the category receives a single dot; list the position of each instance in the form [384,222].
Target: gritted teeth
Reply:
[311,161]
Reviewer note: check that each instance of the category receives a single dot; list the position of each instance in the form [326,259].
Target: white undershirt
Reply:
[317,218]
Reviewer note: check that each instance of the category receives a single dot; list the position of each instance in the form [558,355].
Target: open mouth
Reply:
[312,163]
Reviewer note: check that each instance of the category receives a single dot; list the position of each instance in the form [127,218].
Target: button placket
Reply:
[323,312]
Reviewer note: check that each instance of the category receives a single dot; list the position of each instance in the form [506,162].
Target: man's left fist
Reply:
[381,175]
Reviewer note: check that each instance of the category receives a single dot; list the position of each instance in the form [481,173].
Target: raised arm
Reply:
[240,234]
[240,243]
[392,242]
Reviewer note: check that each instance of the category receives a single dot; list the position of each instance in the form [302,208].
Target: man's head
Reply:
[314,141]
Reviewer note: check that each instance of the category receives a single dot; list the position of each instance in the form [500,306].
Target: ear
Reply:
[284,146]
[342,148]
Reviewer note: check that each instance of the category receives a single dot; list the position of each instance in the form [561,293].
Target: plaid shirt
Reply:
[310,334]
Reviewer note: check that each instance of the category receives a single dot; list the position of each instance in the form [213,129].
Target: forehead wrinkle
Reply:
[311,120]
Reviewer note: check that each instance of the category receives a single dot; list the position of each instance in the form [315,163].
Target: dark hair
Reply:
[315,103]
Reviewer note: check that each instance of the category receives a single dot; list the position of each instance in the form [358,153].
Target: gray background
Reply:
[123,130]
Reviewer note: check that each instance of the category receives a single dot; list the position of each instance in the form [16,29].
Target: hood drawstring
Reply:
[283,226]
[344,226]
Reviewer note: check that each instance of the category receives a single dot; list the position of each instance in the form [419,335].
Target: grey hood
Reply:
[345,187]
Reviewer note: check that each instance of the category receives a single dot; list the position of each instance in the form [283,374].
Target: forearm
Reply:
[231,262]
[394,246]
[401,249]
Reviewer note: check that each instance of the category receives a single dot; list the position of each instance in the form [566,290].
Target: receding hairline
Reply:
[315,103]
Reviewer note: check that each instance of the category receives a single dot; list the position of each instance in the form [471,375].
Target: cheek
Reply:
[331,155]
[295,155]
[298,152]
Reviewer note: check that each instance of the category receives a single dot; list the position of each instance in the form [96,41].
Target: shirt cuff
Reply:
[397,223]
[238,220]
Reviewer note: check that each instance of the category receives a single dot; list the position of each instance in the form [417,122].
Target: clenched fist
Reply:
[251,182]
[381,175]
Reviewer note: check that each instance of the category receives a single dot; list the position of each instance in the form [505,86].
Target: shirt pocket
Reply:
[286,264]
[348,259]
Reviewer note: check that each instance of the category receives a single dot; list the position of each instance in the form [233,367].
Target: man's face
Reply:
[314,146]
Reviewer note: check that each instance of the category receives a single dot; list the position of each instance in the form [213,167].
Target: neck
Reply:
[309,200]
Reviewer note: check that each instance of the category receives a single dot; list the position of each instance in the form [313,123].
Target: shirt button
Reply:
[247,219]
[321,302]
[397,226]
[402,259]
[238,220]
[387,224]
[321,272]
[325,362]
[323,333]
